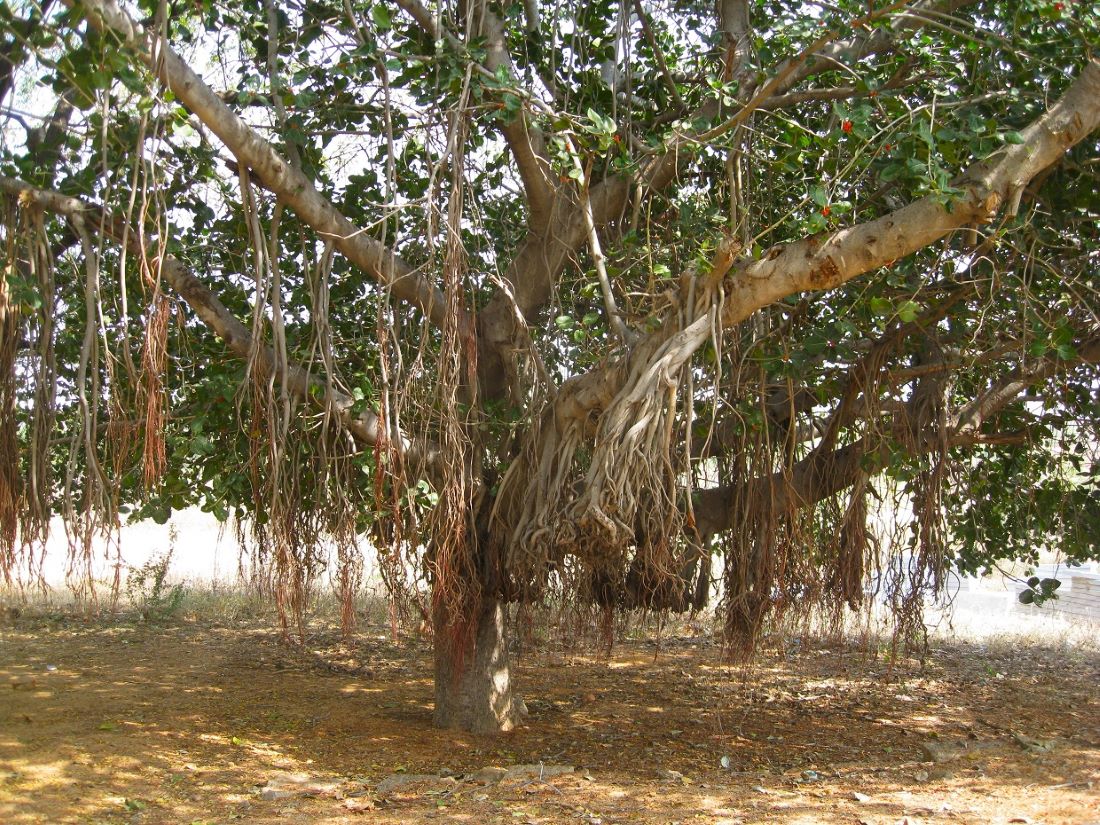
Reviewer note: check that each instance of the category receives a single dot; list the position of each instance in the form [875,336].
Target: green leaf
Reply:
[881,306]
[908,310]
[1013,137]
[1067,352]
[381,16]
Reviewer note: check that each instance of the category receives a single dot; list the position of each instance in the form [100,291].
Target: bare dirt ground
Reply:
[200,723]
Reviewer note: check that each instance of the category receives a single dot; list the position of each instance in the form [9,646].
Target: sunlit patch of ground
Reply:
[127,723]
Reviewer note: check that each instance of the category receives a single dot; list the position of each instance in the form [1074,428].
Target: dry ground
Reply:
[117,722]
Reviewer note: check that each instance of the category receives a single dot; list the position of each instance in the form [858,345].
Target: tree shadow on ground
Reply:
[126,723]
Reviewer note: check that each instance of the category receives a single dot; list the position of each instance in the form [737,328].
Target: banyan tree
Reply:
[611,304]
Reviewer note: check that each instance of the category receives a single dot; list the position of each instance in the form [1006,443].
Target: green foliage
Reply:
[366,113]
[1039,591]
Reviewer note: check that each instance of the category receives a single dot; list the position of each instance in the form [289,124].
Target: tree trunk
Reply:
[473,689]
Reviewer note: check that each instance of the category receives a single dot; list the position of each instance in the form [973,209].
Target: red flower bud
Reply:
[825,211]
[846,126]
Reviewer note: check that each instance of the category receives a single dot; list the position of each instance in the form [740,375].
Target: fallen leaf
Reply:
[358,804]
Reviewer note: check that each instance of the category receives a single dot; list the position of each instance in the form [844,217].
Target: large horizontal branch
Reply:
[541,258]
[363,424]
[827,260]
[291,186]
[821,475]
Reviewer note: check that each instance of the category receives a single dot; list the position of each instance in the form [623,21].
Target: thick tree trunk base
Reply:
[473,688]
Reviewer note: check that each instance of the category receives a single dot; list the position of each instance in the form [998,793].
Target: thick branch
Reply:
[736,27]
[821,475]
[826,261]
[851,50]
[524,140]
[970,417]
[362,424]
[292,187]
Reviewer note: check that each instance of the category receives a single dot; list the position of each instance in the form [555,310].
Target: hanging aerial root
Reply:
[854,548]
[619,504]
[9,445]
[456,563]
[27,397]
[154,359]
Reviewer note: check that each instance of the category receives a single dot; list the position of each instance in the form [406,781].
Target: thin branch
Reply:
[614,317]
[362,424]
[290,184]
[659,56]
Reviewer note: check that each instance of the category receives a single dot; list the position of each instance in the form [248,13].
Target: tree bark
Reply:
[473,688]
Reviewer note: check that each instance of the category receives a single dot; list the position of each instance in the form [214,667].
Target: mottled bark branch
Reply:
[292,187]
[524,140]
[736,26]
[826,261]
[850,51]
[998,394]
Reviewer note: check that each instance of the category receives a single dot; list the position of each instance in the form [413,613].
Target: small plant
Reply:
[1039,591]
[148,591]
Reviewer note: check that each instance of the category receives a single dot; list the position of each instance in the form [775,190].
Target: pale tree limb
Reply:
[362,424]
[736,26]
[859,47]
[997,395]
[543,256]
[826,261]
[525,141]
[503,328]
[291,186]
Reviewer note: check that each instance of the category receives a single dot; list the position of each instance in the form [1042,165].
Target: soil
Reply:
[201,723]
